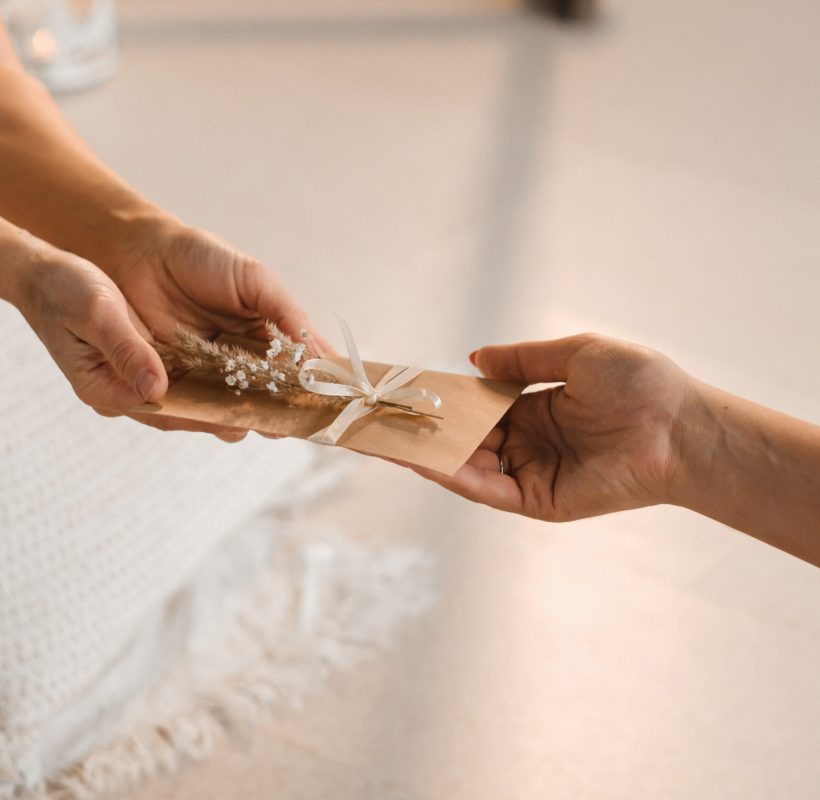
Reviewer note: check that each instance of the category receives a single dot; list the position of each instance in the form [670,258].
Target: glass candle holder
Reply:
[68,44]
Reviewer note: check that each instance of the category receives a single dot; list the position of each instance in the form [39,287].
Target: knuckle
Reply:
[559,515]
[601,348]
[518,360]
[93,310]
[96,303]
[259,276]
[590,339]
[85,393]
[124,355]
[183,243]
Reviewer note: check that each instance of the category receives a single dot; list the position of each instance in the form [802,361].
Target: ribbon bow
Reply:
[389,391]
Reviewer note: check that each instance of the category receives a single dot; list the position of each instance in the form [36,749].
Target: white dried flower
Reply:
[264,365]
[275,348]
[298,352]
[230,379]
[240,359]
[230,364]
[243,384]
[253,367]
[303,333]
[272,387]
[240,375]
[280,376]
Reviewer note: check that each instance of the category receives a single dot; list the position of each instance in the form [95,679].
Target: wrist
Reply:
[137,231]
[724,439]
[697,445]
[15,277]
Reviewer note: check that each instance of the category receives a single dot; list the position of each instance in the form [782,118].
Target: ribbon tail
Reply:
[355,409]
[353,355]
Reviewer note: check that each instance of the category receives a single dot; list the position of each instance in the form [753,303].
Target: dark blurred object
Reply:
[566,9]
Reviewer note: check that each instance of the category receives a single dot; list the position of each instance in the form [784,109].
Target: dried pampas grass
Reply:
[240,369]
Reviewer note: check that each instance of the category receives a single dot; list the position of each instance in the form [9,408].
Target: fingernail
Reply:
[472,357]
[146,384]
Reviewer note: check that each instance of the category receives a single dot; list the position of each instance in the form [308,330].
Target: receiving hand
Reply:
[606,440]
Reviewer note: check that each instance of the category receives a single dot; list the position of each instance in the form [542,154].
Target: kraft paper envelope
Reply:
[470,407]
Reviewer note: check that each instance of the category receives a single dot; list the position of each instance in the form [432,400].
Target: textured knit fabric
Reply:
[100,521]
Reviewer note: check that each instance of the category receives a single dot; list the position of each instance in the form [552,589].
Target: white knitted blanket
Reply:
[102,524]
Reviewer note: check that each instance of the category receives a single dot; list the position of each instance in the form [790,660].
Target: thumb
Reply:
[130,355]
[529,362]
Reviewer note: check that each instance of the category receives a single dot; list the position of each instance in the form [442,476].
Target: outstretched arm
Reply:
[142,261]
[54,186]
[753,469]
[628,428]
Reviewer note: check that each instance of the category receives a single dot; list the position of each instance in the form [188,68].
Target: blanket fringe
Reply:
[344,603]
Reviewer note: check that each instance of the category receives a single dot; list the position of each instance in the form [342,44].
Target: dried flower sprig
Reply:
[239,369]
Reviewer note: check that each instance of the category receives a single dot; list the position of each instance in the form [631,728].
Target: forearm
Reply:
[752,468]
[54,186]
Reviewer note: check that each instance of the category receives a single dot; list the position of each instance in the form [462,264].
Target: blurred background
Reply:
[450,173]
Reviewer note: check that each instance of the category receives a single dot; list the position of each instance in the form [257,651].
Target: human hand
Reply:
[607,440]
[174,275]
[84,321]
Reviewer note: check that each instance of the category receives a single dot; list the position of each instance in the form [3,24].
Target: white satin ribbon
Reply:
[365,397]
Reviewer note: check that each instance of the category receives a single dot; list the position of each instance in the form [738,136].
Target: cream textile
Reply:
[100,521]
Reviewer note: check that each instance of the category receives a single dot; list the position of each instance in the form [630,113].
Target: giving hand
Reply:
[182,276]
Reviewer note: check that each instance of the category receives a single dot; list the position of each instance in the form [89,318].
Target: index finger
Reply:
[263,292]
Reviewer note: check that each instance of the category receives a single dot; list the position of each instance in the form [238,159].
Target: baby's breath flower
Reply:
[272,387]
[275,348]
[298,352]
[243,384]
[240,375]
[240,359]
[230,379]
[263,365]
[230,364]
[253,366]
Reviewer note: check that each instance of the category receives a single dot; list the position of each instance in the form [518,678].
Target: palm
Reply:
[602,442]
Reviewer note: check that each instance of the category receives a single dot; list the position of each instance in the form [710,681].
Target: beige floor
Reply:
[449,173]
